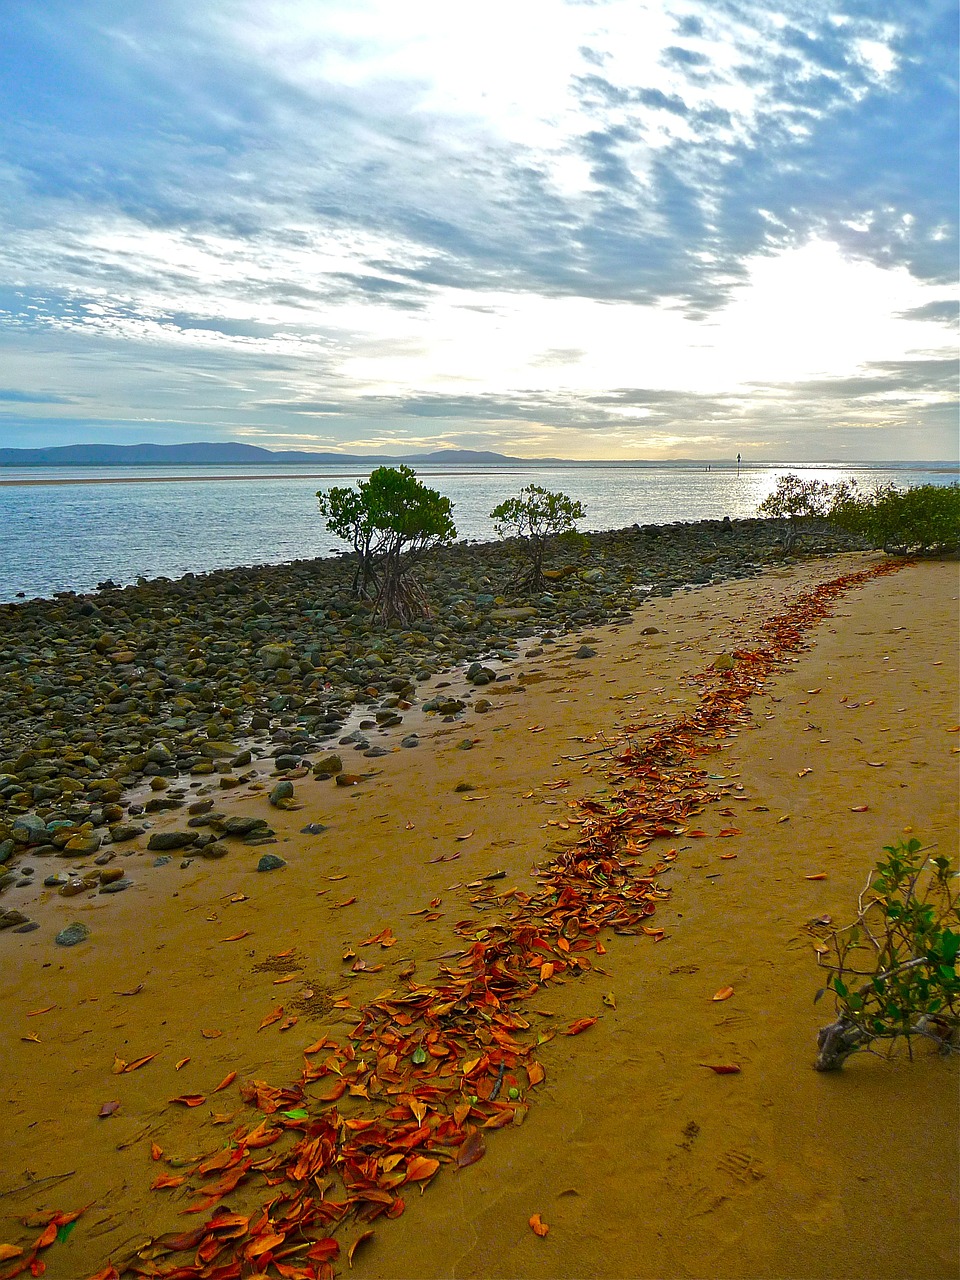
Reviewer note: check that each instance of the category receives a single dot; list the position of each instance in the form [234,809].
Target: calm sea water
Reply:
[72,535]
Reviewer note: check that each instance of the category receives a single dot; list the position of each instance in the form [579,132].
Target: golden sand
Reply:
[642,1162]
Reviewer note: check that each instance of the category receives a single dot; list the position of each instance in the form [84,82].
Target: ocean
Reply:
[67,529]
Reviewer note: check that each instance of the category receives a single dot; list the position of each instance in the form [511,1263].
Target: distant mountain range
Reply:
[226,454]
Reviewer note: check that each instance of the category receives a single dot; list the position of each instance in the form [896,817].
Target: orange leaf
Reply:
[290,977]
[346,903]
[546,971]
[540,1228]
[724,1069]
[421,1167]
[191,1099]
[35,1013]
[272,1017]
[821,875]
[803,773]
[290,1021]
[168,1180]
[211,1034]
[325,1250]
[724,993]
[730,831]
[226,1082]
[8,1251]
[156,1151]
[263,1244]
[182,1063]
[235,937]
[139,1062]
[535,1073]
[364,1236]
[581,1024]
[860,808]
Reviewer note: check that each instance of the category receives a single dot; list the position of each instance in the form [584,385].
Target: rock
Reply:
[465,744]
[411,740]
[116,886]
[123,831]
[513,615]
[161,841]
[377,751]
[650,631]
[482,705]
[200,806]
[11,917]
[723,662]
[72,887]
[215,849]
[109,874]
[72,934]
[270,862]
[327,766]
[80,846]
[244,826]
[282,792]
[163,860]
[585,652]
[28,927]
[7,848]
[56,880]
[464,786]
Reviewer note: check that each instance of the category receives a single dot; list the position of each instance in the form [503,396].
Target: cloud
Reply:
[33,397]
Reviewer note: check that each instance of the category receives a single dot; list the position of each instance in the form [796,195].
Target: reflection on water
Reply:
[71,536]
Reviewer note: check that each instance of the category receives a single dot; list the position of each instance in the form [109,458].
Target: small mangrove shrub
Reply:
[535,515]
[923,519]
[893,972]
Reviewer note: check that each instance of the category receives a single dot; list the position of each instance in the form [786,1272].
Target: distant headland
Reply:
[230,453]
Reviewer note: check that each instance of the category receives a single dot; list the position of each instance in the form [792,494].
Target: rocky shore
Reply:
[119,706]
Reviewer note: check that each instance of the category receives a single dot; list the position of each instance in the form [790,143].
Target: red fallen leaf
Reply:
[726,857]
[601,950]
[263,1244]
[235,937]
[176,1242]
[275,1016]
[581,1024]
[361,1239]
[325,1250]
[348,902]
[860,808]
[156,1151]
[108,1109]
[472,1150]
[316,1046]
[226,1082]
[191,1099]
[421,1167]
[168,1180]
[282,955]
[290,1021]
[535,1074]
[730,831]
[539,1227]
[697,835]
[821,875]
[139,1062]
[334,1090]
[546,972]
[8,1251]
[724,1069]
[724,993]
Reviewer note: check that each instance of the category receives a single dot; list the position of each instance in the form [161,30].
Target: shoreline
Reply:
[642,1163]
[300,475]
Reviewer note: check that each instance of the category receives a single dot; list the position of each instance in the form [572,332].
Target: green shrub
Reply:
[925,518]
[535,515]
[893,973]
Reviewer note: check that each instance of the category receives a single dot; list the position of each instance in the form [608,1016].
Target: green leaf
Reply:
[419,1055]
[297,1114]
[64,1232]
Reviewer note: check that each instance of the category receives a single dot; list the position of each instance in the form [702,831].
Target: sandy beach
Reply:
[641,1161]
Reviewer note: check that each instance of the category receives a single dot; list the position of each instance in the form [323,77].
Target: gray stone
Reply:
[72,934]
[411,740]
[585,652]
[281,792]
[27,928]
[116,886]
[327,766]
[270,862]
[161,841]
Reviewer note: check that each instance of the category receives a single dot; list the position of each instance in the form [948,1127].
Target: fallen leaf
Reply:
[820,875]
[135,992]
[191,1099]
[35,1013]
[156,1151]
[346,903]
[211,1034]
[168,1180]
[471,1150]
[421,1168]
[182,1063]
[361,1239]
[290,1021]
[539,1227]
[725,857]
[860,808]
[609,1000]
[108,1109]
[282,955]
[291,977]
[876,764]
[581,1024]
[465,836]
[803,773]
[139,1062]
[33,1038]
[272,1017]
[724,993]
[235,937]
[226,1082]
[8,1251]
[723,1069]
[730,831]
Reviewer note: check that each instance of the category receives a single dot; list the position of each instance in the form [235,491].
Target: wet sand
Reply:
[642,1162]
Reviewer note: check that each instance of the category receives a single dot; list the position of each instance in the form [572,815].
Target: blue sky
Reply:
[575,228]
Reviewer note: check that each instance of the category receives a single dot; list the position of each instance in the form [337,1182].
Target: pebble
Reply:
[411,740]
[270,862]
[72,934]
[161,841]
[281,792]
[163,859]
[116,886]
[312,829]
[28,927]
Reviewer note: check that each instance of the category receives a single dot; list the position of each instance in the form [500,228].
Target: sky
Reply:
[567,228]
